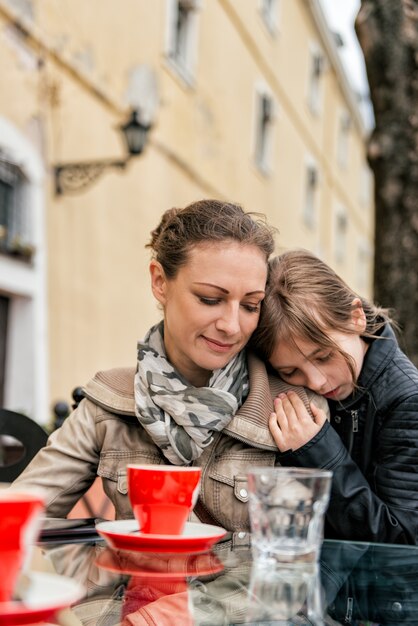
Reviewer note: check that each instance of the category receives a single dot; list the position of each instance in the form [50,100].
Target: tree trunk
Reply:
[388,34]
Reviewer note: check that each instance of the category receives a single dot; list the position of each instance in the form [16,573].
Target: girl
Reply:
[317,332]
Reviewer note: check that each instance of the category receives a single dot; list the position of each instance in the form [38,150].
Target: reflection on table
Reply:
[354,583]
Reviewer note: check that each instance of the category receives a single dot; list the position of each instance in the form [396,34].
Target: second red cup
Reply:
[162,496]
[20,519]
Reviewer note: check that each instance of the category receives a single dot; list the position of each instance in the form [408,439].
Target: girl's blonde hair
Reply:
[306,299]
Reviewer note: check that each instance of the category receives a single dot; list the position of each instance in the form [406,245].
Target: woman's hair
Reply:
[306,299]
[206,221]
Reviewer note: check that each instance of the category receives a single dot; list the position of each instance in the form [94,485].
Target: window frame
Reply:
[16,237]
[345,124]
[340,237]
[316,70]
[264,128]
[270,15]
[311,187]
[182,60]
[364,260]
[26,388]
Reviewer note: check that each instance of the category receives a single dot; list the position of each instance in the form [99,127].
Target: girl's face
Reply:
[323,370]
[211,307]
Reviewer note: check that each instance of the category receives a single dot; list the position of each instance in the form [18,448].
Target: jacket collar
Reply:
[250,423]
[113,390]
[379,354]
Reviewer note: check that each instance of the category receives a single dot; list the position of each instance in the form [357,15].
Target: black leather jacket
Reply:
[370,583]
[371,445]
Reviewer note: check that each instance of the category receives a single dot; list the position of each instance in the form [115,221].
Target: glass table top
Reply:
[353,583]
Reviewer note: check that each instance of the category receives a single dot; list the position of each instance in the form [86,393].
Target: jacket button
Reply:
[337,419]
[397,607]
[243,493]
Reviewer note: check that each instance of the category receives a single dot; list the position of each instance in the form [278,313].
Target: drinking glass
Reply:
[287,506]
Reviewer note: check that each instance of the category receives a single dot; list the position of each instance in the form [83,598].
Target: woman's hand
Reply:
[291,425]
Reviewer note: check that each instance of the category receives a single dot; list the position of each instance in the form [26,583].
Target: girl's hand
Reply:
[291,425]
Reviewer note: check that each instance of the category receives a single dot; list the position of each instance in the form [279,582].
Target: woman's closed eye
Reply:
[250,307]
[209,301]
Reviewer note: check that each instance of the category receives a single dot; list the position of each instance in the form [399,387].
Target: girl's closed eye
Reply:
[287,374]
[323,358]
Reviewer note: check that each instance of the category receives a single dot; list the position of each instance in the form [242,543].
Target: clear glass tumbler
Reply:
[287,506]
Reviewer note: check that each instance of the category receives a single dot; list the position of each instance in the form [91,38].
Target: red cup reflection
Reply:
[158,586]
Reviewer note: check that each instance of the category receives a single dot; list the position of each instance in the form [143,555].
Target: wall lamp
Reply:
[72,177]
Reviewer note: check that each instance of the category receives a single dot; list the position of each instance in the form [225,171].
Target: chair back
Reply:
[31,436]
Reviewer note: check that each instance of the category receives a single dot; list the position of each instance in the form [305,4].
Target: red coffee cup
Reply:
[162,496]
[20,519]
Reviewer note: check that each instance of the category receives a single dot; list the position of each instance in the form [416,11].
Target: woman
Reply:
[194,398]
[317,332]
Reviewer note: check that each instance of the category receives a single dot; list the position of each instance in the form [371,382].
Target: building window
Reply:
[23,316]
[364,268]
[269,10]
[182,36]
[340,235]
[311,192]
[343,140]
[366,186]
[316,70]
[264,126]
[15,229]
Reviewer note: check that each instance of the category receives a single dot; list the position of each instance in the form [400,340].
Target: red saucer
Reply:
[45,595]
[124,535]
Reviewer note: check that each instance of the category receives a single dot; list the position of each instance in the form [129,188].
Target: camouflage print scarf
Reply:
[181,419]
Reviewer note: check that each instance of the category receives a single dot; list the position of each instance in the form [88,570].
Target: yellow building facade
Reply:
[248,102]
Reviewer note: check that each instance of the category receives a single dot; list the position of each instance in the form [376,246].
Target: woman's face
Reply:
[211,307]
[323,370]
